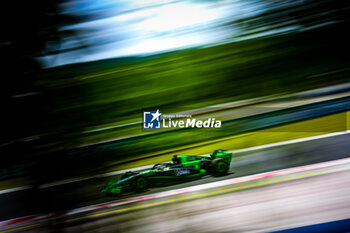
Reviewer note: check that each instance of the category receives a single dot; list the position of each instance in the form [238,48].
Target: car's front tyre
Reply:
[220,167]
[141,184]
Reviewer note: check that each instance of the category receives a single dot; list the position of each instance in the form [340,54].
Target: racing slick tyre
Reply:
[140,184]
[220,167]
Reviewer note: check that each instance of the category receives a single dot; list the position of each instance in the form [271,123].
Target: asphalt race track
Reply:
[268,208]
[317,197]
[65,197]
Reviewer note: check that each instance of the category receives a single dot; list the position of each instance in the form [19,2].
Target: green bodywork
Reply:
[195,161]
[222,154]
[184,161]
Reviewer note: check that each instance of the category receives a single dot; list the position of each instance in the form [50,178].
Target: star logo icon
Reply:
[156,115]
[151,120]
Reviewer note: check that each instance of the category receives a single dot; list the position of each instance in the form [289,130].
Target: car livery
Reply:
[182,168]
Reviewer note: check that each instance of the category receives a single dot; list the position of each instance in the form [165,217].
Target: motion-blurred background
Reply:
[76,76]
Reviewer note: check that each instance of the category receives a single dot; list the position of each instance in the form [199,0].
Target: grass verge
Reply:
[313,127]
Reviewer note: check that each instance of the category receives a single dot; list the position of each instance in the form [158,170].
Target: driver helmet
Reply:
[175,159]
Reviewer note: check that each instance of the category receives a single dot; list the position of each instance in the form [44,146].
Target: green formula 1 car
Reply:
[182,168]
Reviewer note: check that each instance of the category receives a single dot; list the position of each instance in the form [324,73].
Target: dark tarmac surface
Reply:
[78,194]
[262,208]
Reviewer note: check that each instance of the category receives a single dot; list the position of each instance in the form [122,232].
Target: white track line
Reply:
[289,142]
[14,189]
[200,187]
[215,184]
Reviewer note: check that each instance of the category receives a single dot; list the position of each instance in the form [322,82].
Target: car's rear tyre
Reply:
[140,184]
[220,167]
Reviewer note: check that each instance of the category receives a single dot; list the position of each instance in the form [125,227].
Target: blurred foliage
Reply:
[65,101]
[35,28]
[28,30]
[300,15]
[175,82]
[302,129]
